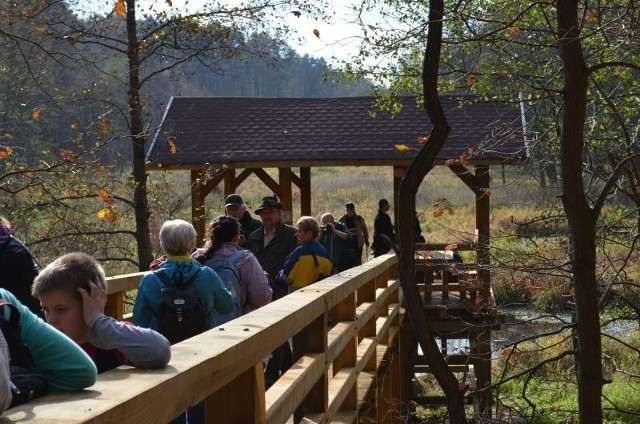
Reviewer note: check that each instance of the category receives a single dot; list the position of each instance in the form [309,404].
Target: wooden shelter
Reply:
[226,139]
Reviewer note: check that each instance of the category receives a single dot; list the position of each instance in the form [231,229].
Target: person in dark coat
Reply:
[19,269]
[382,225]
[235,208]
[271,244]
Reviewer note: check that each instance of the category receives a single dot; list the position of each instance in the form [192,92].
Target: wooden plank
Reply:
[223,405]
[288,392]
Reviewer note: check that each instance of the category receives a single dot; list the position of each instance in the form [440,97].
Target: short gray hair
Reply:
[177,237]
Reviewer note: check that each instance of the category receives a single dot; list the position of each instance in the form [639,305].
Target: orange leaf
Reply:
[451,211]
[513,137]
[316,33]
[120,8]
[41,29]
[450,162]
[486,192]
[402,147]
[439,200]
[6,152]
[451,247]
[72,193]
[74,125]
[438,212]
[68,155]
[8,136]
[106,197]
[470,80]
[35,114]
[513,31]
[422,139]
[172,145]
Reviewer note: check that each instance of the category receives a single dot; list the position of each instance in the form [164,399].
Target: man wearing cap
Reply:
[236,209]
[271,243]
[356,225]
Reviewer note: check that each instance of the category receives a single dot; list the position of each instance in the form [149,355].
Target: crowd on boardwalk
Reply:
[243,264]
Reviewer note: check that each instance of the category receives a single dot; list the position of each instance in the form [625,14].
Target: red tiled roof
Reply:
[248,132]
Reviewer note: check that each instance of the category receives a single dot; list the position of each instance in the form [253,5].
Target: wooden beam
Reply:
[305,191]
[198,217]
[230,182]
[246,173]
[398,173]
[286,196]
[267,180]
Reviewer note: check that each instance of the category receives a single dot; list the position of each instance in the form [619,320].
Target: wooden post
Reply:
[483,228]
[347,358]
[312,339]
[224,406]
[198,217]
[115,306]
[230,182]
[305,191]
[285,195]
[398,173]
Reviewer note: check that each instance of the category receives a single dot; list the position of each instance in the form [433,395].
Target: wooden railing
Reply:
[343,330]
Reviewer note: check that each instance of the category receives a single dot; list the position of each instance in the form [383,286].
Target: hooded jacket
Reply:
[180,269]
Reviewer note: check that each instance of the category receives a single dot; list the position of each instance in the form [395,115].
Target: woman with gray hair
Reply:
[178,240]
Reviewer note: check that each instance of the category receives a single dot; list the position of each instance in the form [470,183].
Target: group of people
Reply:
[272,259]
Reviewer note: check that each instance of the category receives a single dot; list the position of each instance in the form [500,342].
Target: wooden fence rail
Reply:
[343,330]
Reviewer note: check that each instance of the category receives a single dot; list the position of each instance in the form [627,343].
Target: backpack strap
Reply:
[167,282]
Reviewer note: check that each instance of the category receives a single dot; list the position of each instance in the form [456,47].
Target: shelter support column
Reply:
[285,194]
[230,182]
[305,191]
[398,173]
[197,202]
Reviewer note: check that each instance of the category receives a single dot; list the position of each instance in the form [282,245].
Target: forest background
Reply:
[82,95]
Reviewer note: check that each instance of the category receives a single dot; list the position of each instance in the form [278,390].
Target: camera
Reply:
[326,229]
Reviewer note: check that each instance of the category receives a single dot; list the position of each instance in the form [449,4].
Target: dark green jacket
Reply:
[273,255]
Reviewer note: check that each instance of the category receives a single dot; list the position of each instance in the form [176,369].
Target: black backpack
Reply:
[181,314]
[26,382]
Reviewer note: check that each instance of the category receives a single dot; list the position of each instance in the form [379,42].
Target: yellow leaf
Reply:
[8,136]
[106,197]
[107,213]
[120,8]
[402,147]
[316,33]
[35,114]
[74,125]
[422,139]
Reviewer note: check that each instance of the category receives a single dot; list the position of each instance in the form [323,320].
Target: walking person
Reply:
[382,226]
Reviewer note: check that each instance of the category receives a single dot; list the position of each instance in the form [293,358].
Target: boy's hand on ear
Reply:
[92,303]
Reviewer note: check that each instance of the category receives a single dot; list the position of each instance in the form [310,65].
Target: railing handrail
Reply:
[227,361]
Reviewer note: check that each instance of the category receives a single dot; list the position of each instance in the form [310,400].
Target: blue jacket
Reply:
[213,294]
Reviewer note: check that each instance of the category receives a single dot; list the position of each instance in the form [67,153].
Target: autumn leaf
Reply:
[402,147]
[486,191]
[172,145]
[450,162]
[6,152]
[35,114]
[107,213]
[316,33]
[592,15]
[451,211]
[507,351]
[8,136]
[106,197]
[41,29]
[572,292]
[422,139]
[102,125]
[513,31]
[439,200]
[74,125]
[120,8]
[513,137]
[438,212]
[68,155]
[72,193]
[470,80]
[296,13]
[451,247]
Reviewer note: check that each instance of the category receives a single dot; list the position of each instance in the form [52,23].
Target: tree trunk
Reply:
[138,139]
[417,170]
[581,217]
